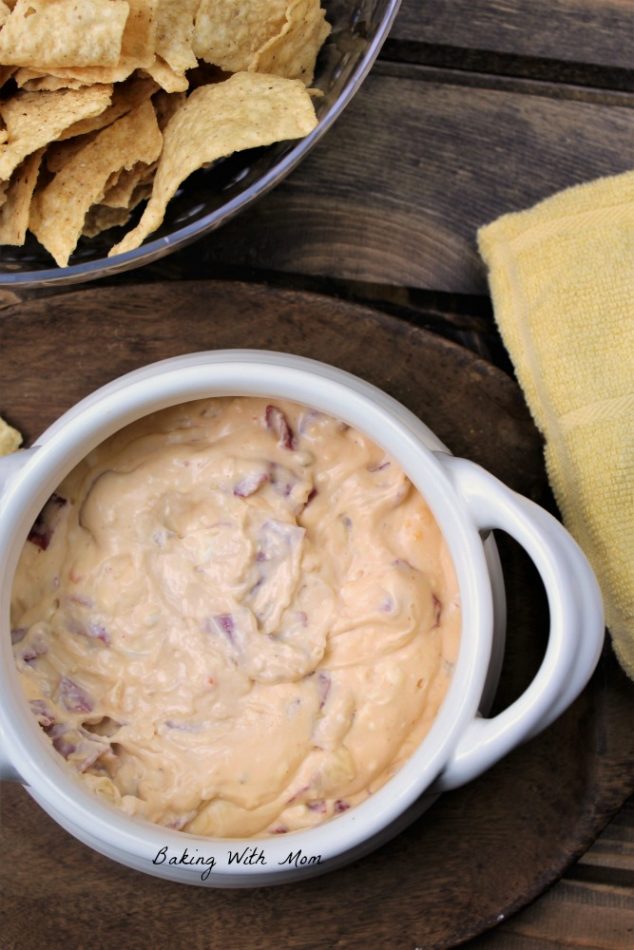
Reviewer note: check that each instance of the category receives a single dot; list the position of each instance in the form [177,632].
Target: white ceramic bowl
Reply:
[466,501]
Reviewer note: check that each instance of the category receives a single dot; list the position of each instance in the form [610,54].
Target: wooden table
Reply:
[476,107]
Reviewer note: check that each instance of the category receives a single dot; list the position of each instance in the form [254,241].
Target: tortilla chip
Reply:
[293,52]
[48,33]
[91,75]
[139,38]
[10,438]
[101,218]
[228,33]
[14,213]
[34,119]
[246,111]
[32,81]
[6,72]
[137,49]
[166,105]
[59,153]
[113,179]
[165,76]
[118,194]
[175,33]
[5,12]
[24,75]
[125,98]
[142,191]
[59,209]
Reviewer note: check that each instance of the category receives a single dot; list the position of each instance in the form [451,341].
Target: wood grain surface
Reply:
[403,209]
[482,851]
[476,107]
[581,31]
[593,906]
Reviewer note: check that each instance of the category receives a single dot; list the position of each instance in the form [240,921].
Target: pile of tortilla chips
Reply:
[108,103]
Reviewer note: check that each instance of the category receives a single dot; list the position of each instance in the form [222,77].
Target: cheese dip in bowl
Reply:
[236,617]
[251,604]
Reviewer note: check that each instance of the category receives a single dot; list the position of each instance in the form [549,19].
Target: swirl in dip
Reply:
[236,617]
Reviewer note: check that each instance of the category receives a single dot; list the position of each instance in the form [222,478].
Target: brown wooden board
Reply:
[396,191]
[481,852]
[584,31]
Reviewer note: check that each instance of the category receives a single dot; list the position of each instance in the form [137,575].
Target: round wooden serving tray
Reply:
[481,852]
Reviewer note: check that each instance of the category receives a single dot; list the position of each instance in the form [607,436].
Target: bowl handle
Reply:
[576,621]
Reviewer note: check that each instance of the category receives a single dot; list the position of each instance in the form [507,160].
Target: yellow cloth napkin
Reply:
[562,280]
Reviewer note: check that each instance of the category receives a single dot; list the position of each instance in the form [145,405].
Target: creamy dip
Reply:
[236,617]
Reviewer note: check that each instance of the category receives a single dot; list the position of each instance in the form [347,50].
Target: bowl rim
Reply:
[153,250]
[246,372]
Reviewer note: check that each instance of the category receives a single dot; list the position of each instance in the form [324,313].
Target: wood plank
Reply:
[583,31]
[577,913]
[483,850]
[614,849]
[610,855]
[569,915]
[396,191]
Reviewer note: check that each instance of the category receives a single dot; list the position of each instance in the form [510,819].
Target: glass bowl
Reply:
[210,197]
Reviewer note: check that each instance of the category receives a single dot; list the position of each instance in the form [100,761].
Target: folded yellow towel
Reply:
[562,281]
